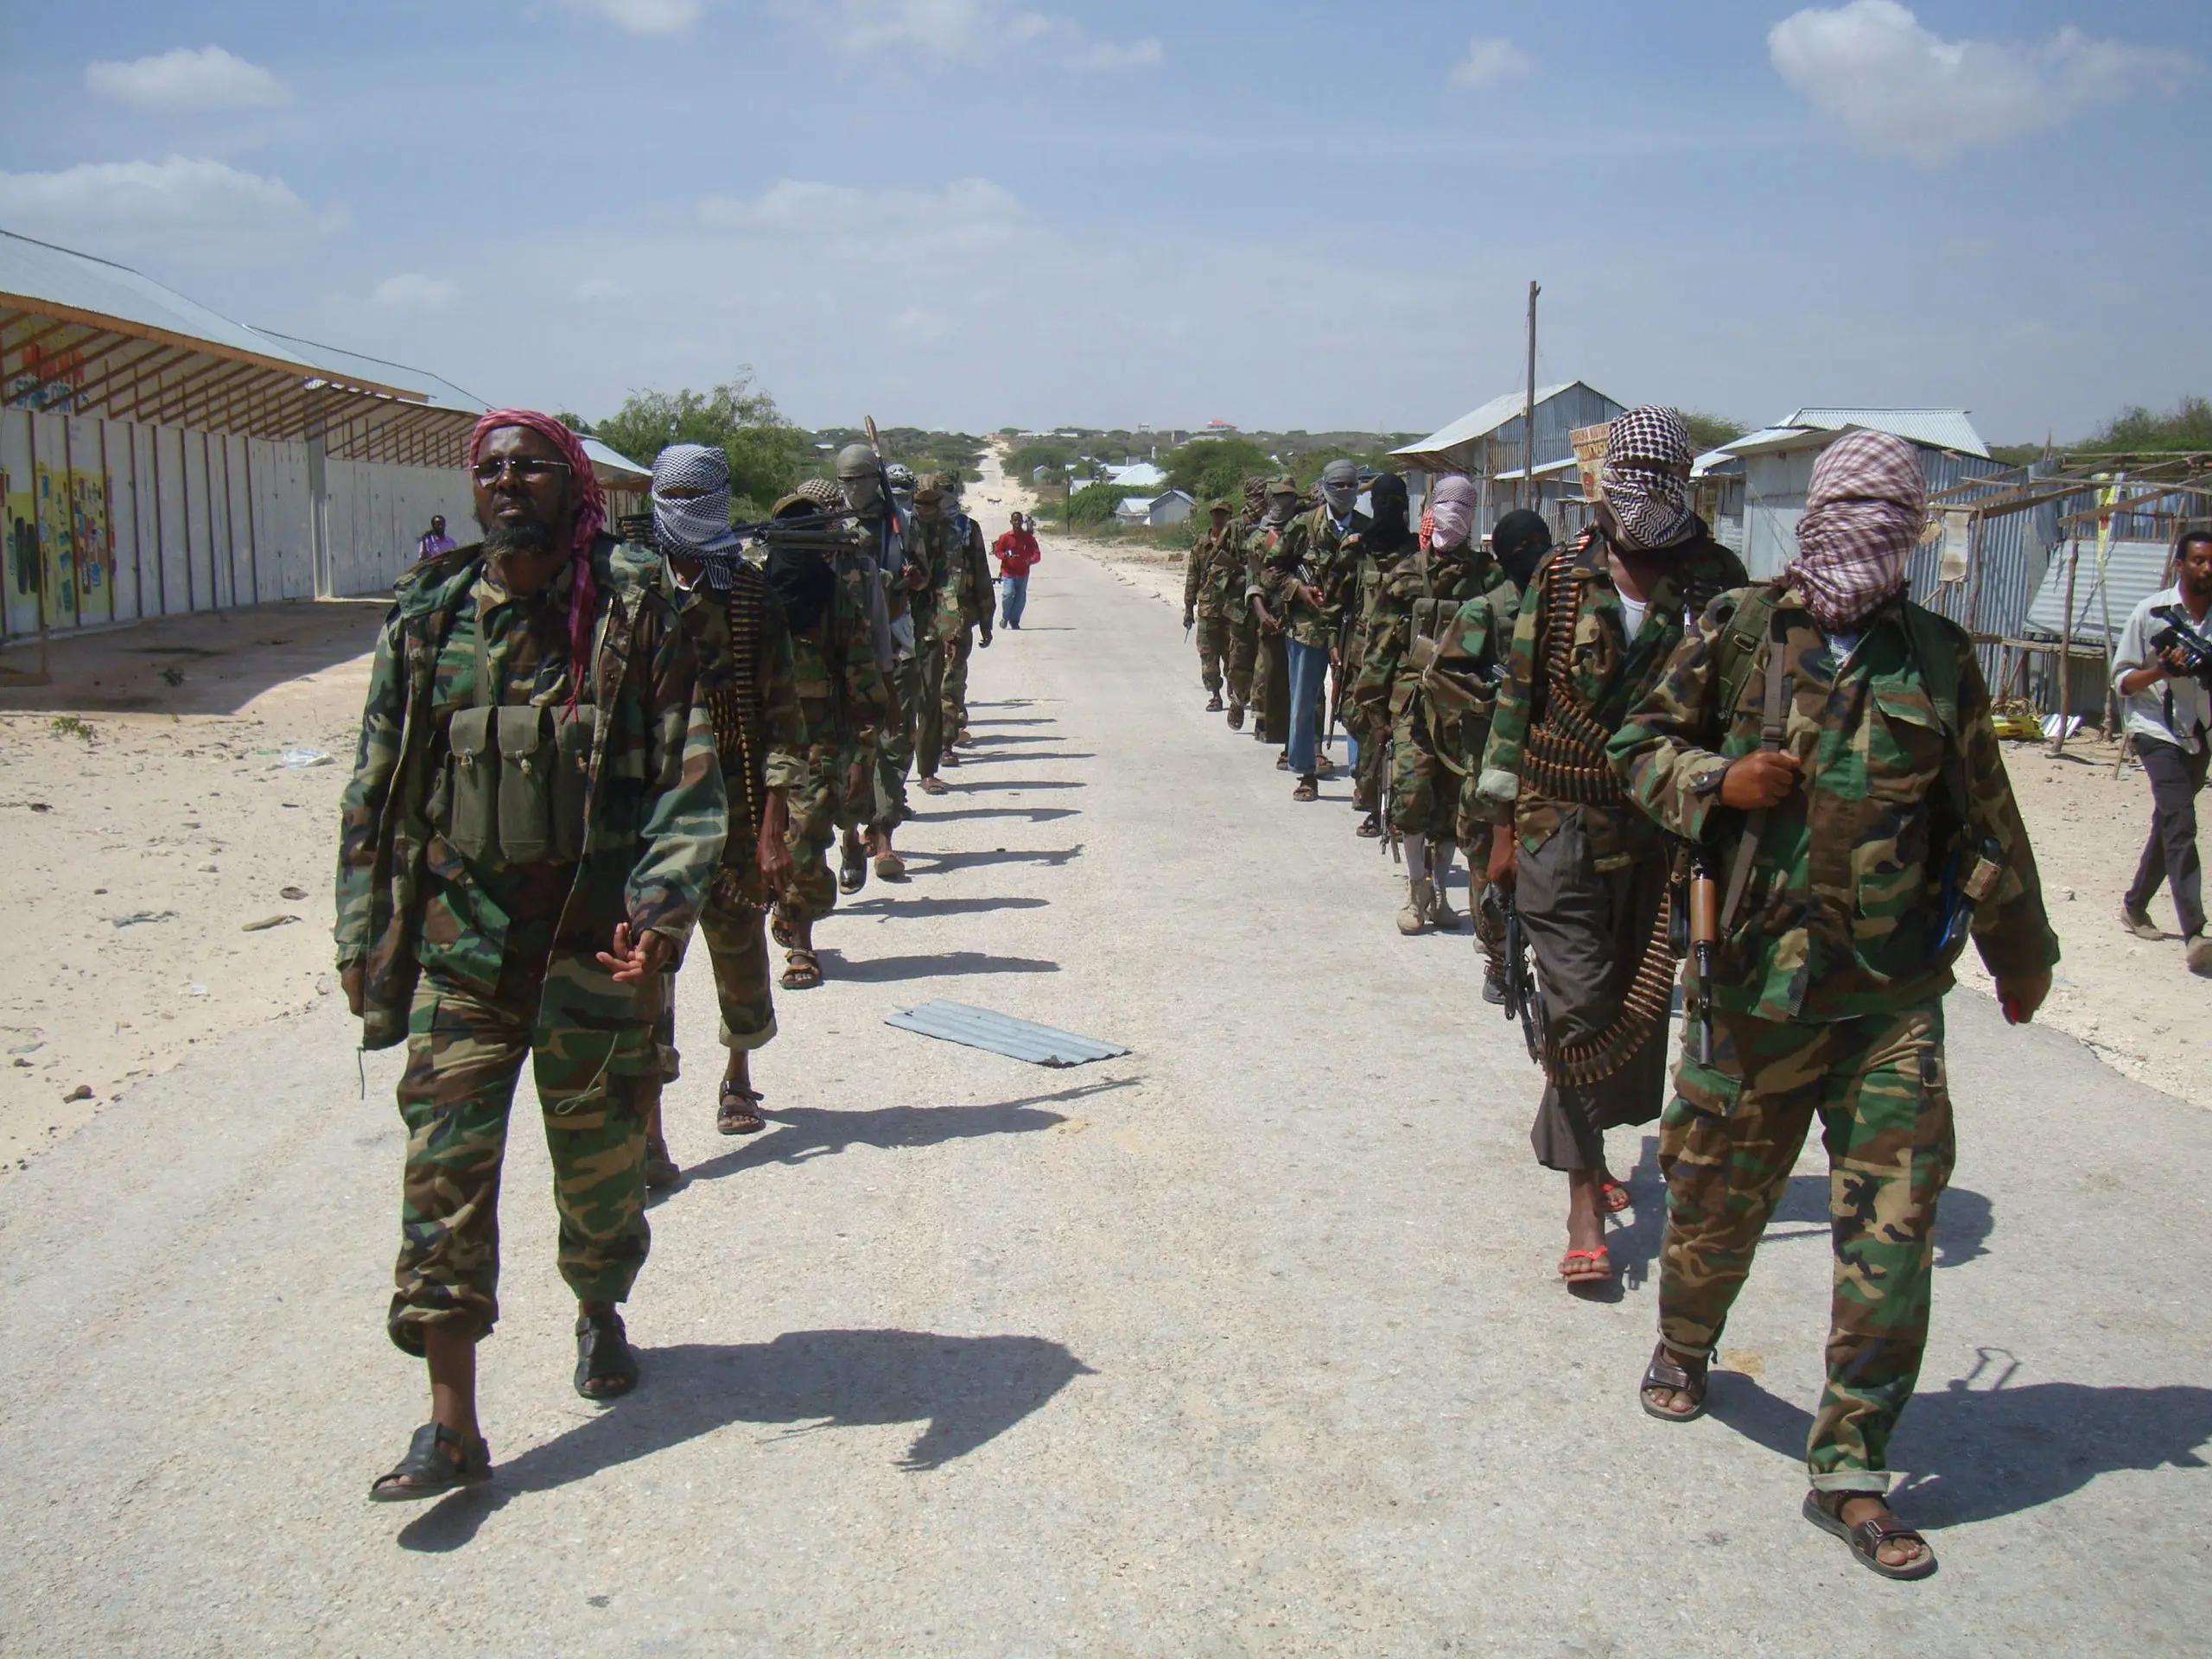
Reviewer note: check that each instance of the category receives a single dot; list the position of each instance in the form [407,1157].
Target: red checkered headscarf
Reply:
[1864,513]
[591,512]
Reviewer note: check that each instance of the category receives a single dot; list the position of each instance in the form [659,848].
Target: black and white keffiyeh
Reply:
[1646,477]
[696,527]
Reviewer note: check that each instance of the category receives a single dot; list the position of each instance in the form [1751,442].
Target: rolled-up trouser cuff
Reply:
[1876,1481]
[745,1042]
[406,1323]
[1687,1349]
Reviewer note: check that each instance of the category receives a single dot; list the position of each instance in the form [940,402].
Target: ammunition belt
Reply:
[1566,755]
[1650,997]
[733,699]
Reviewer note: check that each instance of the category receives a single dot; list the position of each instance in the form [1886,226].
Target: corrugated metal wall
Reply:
[109,521]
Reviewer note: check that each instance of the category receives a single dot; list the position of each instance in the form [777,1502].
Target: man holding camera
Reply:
[2161,678]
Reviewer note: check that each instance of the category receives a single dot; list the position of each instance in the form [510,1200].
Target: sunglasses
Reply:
[530,469]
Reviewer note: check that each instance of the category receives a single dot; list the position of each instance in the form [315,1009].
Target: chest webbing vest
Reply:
[732,697]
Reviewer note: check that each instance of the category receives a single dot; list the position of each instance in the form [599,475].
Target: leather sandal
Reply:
[738,1113]
[1306,789]
[802,970]
[1665,1371]
[1825,1510]
[426,1470]
[607,1367]
[662,1173]
[852,867]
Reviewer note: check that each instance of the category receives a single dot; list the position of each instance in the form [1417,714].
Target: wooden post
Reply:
[2066,647]
[1528,409]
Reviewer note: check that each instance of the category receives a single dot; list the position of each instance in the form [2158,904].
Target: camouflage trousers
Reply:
[1727,1142]
[818,810]
[1243,651]
[1271,689]
[894,754]
[1214,645]
[590,1043]
[929,697]
[736,937]
[1424,792]
[955,682]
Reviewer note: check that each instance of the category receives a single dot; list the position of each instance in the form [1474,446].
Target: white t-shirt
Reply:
[1632,613]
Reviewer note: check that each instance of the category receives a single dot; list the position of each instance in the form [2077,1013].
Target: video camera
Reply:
[2181,636]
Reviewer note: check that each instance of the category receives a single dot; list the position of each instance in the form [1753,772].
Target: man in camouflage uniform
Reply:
[883,499]
[939,548]
[1470,665]
[745,680]
[844,701]
[1826,745]
[533,819]
[974,604]
[1214,572]
[1421,721]
[1243,620]
[1591,872]
[1271,668]
[1367,564]
[1312,586]
[866,558]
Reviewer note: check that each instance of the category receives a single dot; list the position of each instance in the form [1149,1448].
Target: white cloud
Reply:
[1489,60]
[643,16]
[1903,91]
[412,291]
[942,32]
[601,289]
[966,211]
[209,79]
[189,208]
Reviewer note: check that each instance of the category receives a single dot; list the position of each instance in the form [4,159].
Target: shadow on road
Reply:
[996,739]
[1051,858]
[1980,1453]
[804,1133]
[1031,754]
[1010,720]
[886,908]
[1024,783]
[884,970]
[965,1391]
[1034,813]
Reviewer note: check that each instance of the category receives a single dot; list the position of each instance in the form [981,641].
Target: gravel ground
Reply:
[1247,1342]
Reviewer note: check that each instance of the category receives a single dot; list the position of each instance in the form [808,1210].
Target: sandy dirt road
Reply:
[1246,1342]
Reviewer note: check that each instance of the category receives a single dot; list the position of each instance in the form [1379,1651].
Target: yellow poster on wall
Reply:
[57,561]
[95,553]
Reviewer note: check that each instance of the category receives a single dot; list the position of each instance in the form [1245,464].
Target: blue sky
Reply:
[982,211]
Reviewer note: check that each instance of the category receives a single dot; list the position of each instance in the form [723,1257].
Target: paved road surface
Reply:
[1247,1342]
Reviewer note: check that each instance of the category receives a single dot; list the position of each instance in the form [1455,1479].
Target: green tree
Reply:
[1210,469]
[766,453]
[2189,427]
[1710,431]
[1095,505]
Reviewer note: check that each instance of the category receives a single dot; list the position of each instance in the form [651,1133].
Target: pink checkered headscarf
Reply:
[1864,514]
[591,513]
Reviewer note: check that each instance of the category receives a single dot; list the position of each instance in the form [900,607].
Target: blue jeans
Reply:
[1013,595]
[1309,667]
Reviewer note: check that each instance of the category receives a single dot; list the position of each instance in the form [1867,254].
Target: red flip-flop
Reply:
[1585,1266]
[1614,1196]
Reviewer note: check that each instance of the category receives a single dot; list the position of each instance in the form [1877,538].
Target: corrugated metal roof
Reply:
[40,273]
[2134,571]
[1544,469]
[1482,421]
[999,1033]
[1940,429]
[1714,461]
[1773,439]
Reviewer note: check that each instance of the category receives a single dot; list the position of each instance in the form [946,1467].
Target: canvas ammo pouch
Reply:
[521,777]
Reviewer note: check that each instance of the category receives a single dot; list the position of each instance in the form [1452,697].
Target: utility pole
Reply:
[1528,413]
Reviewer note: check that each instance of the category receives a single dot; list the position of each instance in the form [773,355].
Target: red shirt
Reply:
[1017,555]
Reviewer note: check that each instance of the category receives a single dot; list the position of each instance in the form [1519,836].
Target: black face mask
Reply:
[1392,531]
[804,581]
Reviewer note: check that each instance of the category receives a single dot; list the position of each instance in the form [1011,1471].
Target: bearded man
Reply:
[535,814]
[1827,745]
[746,681]
[1601,616]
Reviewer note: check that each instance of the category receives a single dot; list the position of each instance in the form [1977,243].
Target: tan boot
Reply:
[1414,917]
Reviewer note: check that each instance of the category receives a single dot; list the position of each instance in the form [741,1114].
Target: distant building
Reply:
[1140,475]
[1488,444]
[1172,507]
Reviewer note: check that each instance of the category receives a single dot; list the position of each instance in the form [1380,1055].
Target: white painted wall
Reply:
[200,521]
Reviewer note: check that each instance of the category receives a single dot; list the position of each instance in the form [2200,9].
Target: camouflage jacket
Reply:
[654,812]
[1846,903]
[978,592]
[1460,688]
[959,567]
[1609,673]
[1311,546]
[1258,543]
[1213,576]
[1419,598]
[774,729]
[844,698]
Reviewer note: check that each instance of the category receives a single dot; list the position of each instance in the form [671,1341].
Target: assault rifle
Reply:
[1524,998]
[2181,636]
